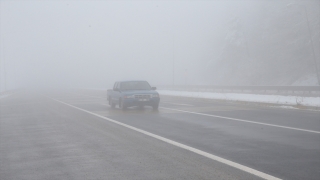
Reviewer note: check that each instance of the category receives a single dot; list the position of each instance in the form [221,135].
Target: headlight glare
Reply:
[155,95]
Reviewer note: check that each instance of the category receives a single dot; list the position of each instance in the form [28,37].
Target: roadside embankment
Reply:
[256,98]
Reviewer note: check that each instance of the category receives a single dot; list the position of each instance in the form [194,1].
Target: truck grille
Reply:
[142,96]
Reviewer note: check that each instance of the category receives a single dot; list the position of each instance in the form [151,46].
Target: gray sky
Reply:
[94,43]
[71,43]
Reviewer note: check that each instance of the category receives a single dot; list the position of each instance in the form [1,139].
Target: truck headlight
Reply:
[155,95]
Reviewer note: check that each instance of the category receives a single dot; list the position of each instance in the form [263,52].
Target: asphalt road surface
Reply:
[76,135]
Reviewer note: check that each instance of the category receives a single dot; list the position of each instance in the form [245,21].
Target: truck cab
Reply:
[133,93]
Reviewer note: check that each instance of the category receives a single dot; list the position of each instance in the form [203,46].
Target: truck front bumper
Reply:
[141,102]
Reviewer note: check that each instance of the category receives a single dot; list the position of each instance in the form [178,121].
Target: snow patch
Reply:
[274,99]
[285,107]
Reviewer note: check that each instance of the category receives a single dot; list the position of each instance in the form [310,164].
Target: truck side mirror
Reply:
[153,88]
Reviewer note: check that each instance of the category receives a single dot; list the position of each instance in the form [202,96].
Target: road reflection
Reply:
[132,111]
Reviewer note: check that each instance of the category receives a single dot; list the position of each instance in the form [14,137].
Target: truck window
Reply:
[135,85]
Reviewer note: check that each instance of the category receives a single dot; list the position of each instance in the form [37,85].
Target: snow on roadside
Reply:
[285,107]
[274,99]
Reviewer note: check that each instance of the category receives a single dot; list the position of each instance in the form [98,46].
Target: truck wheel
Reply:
[155,106]
[121,106]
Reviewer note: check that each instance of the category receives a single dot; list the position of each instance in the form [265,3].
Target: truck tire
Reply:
[121,106]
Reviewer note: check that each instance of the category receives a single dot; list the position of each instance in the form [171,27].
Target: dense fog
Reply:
[91,44]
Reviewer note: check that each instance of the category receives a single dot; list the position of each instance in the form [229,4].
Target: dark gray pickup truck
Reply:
[133,93]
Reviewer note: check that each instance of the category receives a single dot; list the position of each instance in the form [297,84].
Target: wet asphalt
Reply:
[43,139]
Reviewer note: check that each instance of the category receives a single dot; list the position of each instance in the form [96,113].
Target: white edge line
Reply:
[197,151]
[291,108]
[242,120]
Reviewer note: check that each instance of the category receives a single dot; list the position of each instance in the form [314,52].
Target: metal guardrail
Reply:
[286,90]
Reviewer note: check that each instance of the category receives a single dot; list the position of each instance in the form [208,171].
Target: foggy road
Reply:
[77,135]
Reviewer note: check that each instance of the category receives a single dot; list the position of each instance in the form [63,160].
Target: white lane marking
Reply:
[197,151]
[292,108]
[176,103]
[242,120]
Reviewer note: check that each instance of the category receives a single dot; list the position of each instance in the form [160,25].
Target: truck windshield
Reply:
[135,85]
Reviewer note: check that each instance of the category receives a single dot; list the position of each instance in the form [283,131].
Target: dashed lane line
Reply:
[242,120]
[177,144]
